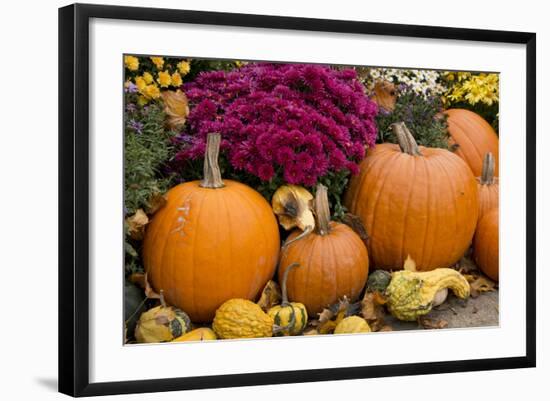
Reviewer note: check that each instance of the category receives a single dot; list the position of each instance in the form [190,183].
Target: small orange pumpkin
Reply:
[334,261]
[472,137]
[487,186]
[486,244]
[213,241]
[415,201]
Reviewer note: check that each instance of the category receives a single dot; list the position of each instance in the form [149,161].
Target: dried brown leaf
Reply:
[356,225]
[483,284]
[137,279]
[176,108]
[156,202]
[373,311]
[136,224]
[429,323]
[271,296]
[292,205]
[385,95]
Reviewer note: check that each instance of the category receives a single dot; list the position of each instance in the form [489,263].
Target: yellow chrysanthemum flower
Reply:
[164,79]
[184,67]
[140,83]
[148,78]
[176,79]
[142,101]
[158,62]
[152,91]
[131,62]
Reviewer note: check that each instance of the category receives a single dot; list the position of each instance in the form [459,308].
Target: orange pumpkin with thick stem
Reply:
[486,244]
[487,186]
[415,201]
[334,261]
[472,137]
[214,240]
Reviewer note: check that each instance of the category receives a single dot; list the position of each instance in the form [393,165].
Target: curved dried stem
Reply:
[284,296]
[304,233]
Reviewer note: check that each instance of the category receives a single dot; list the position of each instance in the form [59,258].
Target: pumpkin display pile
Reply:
[274,200]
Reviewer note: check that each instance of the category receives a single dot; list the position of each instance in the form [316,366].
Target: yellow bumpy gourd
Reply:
[352,324]
[241,318]
[200,334]
[411,294]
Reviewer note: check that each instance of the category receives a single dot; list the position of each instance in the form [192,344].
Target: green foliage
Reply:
[420,116]
[146,150]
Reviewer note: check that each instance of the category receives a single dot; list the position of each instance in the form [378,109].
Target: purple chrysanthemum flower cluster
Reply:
[297,120]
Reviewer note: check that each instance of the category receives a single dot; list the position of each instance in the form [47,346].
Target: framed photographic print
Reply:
[233,185]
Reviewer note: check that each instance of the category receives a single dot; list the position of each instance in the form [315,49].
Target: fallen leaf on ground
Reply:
[332,315]
[479,284]
[356,225]
[429,323]
[136,224]
[372,310]
[271,296]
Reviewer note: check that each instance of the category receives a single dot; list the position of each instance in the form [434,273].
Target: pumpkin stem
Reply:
[488,170]
[322,210]
[405,139]
[284,296]
[212,177]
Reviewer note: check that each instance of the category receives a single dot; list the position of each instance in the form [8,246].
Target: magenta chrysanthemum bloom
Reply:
[300,121]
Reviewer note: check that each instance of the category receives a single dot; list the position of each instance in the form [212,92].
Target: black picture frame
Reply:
[74,198]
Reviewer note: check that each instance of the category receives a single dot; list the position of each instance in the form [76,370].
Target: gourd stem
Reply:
[322,210]
[212,176]
[162,301]
[488,170]
[284,296]
[304,233]
[406,141]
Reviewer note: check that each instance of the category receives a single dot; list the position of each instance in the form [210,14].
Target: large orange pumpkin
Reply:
[487,186]
[486,244]
[471,137]
[214,240]
[414,201]
[334,261]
